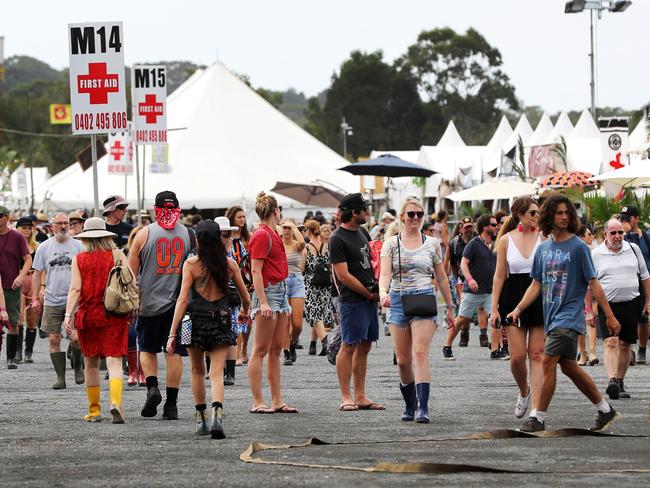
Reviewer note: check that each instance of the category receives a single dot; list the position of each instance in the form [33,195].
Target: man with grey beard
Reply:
[54,258]
[619,267]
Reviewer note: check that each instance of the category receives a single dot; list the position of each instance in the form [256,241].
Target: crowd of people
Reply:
[535,281]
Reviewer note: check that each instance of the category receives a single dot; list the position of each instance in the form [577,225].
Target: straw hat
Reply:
[94,228]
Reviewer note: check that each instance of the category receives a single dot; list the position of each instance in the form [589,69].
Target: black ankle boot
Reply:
[19,344]
[30,339]
[312,348]
[323,351]
[411,401]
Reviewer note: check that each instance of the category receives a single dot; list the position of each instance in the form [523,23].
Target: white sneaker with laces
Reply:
[522,405]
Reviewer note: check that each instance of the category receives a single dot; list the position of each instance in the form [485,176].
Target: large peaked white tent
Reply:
[228,145]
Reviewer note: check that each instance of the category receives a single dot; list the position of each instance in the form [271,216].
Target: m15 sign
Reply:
[97,85]
[149,85]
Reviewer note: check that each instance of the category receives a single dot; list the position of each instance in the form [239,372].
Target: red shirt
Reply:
[266,244]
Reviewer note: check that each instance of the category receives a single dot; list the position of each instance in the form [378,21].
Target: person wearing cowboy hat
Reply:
[76,222]
[100,334]
[114,212]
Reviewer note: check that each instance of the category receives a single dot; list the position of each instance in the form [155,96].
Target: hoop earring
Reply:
[520,228]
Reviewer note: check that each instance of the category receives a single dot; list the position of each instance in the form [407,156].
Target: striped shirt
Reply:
[417,264]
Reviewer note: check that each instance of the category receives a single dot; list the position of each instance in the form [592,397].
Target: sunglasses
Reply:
[60,223]
[413,214]
[532,213]
[615,232]
[493,224]
[2,215]
[286,227]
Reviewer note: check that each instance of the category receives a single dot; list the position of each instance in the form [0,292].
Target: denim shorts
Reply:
[277,298]
[295,286]
[359,322]
[470,302]
[396,315]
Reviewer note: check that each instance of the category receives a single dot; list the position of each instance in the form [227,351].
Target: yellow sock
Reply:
[94,405]
[115,387]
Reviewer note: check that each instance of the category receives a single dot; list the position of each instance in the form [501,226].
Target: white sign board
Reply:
[614,140]
[97,84]
[160,159]
[120,152]
[149,86]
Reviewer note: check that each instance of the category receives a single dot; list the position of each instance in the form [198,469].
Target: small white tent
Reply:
[230,144]
[494,149]
[583,146]
[523,130]
[542,131]
[563,128]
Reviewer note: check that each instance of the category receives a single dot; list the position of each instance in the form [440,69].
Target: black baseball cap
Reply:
[166,199]
[353,201]
[24,221]
[630,211]
[208,231]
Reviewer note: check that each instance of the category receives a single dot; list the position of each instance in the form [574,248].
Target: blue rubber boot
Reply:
[411,400]
[423,399]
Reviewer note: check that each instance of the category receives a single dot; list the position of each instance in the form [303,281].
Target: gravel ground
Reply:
[46,442]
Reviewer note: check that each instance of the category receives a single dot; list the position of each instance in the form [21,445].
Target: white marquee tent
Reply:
[228,145]
[494,148]
[542,131]
[583,146]
[563,128]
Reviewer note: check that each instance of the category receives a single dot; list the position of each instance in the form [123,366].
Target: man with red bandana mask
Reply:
[157,254]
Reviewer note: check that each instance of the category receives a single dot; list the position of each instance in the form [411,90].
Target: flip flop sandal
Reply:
[349,407]
[285,409]
[372,406]
[262,409]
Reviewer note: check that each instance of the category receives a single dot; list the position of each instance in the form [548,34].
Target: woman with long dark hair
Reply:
[270,308]
[239,251]
[205,279]
[517,242]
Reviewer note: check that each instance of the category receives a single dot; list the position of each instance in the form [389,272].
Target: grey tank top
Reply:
[161,267]
[294,260]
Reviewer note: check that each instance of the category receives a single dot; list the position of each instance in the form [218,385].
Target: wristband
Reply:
[171,336]
[385,290]
[67,314]
[42,285]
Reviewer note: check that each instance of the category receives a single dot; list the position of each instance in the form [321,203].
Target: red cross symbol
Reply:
[150,109]
[117,151]
[97,83]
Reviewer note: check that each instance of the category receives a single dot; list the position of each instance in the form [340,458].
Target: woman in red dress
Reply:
[101,334]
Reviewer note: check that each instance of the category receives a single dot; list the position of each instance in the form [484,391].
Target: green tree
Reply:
[462,73]
[379,101]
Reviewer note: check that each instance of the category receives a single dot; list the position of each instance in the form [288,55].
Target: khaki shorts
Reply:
[52,320]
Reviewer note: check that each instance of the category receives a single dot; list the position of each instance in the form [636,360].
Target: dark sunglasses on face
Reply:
[615,232]
[286,227]
[413,214]
[532,213]
[493,224]
[2,215]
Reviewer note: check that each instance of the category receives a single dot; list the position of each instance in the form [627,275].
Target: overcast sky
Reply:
[291,43]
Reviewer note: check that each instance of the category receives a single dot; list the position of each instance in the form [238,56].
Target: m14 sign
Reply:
[97,85]
[149,84]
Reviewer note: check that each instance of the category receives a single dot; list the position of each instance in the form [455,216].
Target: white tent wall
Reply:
[230,144]
[21,185]
[542,131]
[494,148]
[583,146]
[563,128]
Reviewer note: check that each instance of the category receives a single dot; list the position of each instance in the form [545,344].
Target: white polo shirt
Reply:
[618,272]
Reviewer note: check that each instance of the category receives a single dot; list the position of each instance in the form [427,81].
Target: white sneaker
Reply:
[522,405]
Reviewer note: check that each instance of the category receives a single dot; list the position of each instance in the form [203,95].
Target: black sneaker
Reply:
[447,355]
[532,425]
[623,393]
[605,420]
[464,338]
[287,358]
[153,400]
[613,389]
[496,354]
[505,355]
[170,411]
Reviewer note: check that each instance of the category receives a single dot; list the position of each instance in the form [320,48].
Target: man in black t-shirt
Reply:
[114,212]
[351,260]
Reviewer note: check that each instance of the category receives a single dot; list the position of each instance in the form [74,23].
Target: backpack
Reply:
[121,295]
[321,277]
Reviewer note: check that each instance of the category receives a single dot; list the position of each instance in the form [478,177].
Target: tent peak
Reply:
[451,137]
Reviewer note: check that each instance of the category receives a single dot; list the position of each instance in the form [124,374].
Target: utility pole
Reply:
[346,130]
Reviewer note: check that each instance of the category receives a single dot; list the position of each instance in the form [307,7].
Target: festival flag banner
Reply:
[160,159]
[614,140]
[60,114]
[149,91]
[97,84]
[120,152]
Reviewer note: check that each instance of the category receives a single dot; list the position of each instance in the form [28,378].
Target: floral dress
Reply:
[318,300]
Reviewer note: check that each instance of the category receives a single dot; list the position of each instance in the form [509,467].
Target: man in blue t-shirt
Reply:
[562,271]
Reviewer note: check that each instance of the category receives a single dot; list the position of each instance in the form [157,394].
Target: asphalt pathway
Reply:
[45,441]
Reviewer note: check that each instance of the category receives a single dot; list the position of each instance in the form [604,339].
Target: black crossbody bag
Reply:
[415,305]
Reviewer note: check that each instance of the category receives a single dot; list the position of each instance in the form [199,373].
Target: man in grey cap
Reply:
[114,212]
